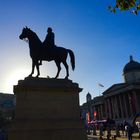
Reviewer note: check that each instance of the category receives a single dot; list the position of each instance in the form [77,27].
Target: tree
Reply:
[126,5]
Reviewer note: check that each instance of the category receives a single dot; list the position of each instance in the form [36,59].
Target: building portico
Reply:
[120,102]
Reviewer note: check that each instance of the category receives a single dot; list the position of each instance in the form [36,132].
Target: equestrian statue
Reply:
[46,51]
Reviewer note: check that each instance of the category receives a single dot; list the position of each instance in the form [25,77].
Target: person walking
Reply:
[138,125]
[129,131]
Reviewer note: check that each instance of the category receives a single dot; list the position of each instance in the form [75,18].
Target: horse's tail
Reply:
[72,58]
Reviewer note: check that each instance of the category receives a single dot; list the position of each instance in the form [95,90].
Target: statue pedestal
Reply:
[47,109]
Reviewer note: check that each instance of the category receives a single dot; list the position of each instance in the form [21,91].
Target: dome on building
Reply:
[131,66]
[131,71]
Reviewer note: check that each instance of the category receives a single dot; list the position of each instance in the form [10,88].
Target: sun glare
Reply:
[13,78]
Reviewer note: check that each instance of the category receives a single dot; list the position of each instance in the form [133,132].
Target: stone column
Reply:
[110,112]
[99,109]
[106,109]
[113,108]
[109,107]
[125,106]
[102,116]
[47,109]
[135,100]
[130,105]
[116,107]
[121,106]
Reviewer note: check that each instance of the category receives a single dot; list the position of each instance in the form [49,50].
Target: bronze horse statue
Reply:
[39,52]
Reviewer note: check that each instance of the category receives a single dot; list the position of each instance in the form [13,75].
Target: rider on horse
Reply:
[49,40]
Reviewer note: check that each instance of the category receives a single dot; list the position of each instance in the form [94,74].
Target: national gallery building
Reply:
[120,102]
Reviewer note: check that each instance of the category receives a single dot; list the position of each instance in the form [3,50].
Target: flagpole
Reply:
[99,89]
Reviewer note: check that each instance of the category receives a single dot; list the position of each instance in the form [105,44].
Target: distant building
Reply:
[7,105]
[120,102]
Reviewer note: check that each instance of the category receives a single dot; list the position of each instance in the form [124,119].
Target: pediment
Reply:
[114,88]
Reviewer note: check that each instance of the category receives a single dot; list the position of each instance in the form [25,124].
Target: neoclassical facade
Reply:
[119,102]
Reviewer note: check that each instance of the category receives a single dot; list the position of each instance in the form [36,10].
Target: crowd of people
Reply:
[112,130]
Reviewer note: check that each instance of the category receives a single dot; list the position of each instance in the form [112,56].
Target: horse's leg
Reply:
[37,67]
[67,69]
[59,68]
[33,66]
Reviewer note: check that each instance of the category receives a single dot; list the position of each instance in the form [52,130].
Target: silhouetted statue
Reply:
[49,40]
[39,52]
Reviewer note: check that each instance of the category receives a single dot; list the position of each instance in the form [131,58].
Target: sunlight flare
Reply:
[14,76]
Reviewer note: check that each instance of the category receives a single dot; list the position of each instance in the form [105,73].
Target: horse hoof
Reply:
[48,77]
[66,78]
[56,77]
[30,75]
[37,76]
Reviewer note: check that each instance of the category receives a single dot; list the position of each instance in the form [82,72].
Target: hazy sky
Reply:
[102,41]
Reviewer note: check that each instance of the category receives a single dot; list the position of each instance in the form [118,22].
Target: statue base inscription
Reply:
[47,109]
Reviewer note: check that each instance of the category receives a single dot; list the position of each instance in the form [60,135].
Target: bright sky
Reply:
[102,41]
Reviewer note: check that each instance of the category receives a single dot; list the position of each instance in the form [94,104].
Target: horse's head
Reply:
[25,33]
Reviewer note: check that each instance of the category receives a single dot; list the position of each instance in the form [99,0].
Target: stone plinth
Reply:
[47,109]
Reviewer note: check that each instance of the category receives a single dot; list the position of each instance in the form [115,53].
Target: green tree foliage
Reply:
[126,5]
